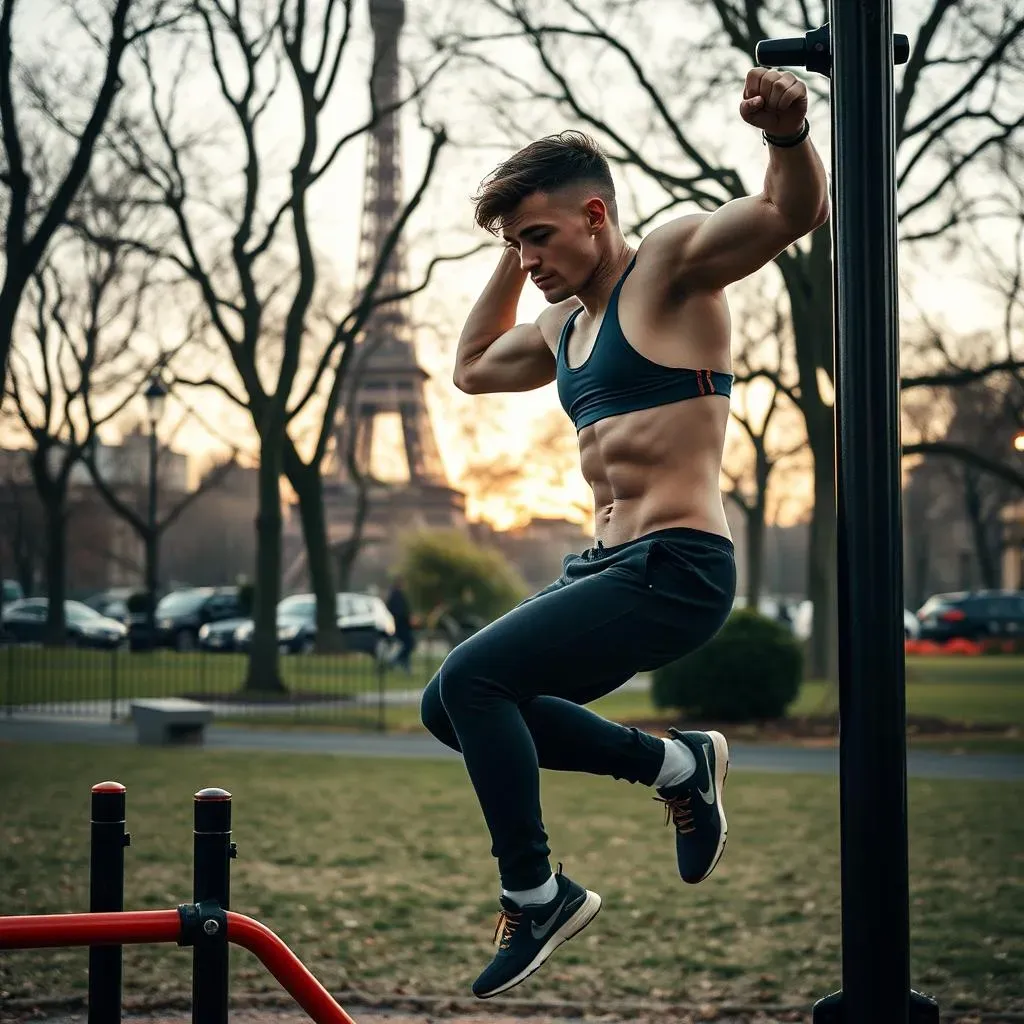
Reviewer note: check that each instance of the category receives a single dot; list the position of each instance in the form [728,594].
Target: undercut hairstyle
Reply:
[547,165]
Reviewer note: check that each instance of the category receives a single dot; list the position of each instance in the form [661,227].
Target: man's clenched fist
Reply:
[774,101]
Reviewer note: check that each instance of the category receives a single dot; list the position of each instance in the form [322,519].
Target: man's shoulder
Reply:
[664,241]
[553,318]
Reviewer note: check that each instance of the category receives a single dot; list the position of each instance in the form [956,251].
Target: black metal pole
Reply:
[857,51]
[213,850]
[872,713]
[106,893]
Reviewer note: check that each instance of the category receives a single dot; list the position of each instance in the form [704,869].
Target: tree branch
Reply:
[951,449]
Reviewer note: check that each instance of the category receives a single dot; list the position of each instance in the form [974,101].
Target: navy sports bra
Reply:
[616,378]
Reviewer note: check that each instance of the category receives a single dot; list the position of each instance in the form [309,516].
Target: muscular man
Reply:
[637,341]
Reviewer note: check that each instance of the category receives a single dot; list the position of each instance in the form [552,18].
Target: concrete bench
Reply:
[170,720]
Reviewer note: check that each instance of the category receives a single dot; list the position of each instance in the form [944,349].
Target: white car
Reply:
[803,622]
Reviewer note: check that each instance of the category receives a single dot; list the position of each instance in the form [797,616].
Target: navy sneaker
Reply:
[695,806]
[527,936]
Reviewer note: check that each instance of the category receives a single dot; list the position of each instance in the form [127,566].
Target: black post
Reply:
[106,893]
[212,851]
[872,712]
[152,554]
[857,51]
[114,654]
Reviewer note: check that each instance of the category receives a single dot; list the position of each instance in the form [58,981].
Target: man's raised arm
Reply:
[710,251]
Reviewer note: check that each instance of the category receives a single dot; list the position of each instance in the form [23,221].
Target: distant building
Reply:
[1013,546]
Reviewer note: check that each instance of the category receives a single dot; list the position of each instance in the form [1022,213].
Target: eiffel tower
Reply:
[386,377]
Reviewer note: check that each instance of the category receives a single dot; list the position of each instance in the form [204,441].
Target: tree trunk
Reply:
[264,669]
[755,553]
[348,552]
[10,300]
[988,566]
[308,485]
[809,283]
[55,513]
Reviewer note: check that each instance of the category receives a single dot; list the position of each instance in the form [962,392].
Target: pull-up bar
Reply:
[857,54]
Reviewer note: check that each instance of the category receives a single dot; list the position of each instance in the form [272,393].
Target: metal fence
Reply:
[339,689]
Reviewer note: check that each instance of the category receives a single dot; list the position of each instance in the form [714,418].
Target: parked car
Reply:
[10,590]
[114,604]
[182,613]
[24,622]
[222,637]
[972,615]
[366,624]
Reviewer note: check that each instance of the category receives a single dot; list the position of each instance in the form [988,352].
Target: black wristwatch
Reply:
[788,141]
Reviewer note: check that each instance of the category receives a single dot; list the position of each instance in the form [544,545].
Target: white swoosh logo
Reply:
[540,930]
[709,796]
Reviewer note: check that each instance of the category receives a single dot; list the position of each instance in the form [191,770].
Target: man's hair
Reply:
[549,164]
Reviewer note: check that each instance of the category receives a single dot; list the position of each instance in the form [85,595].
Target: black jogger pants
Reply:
[509,698]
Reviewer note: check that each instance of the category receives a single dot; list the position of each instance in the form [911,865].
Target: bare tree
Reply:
[760,362]
[122,489]
[251,253]
[22,542]
[35,198]
[981,375]
[73,369]
[957,110]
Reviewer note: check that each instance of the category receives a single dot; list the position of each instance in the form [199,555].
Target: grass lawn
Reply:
[986,690]
[980,690]
[378,874]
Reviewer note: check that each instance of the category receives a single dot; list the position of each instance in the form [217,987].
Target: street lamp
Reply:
[1018,441]
[156,396]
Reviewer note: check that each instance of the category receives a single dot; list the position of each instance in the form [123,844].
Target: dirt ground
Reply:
[456,1014]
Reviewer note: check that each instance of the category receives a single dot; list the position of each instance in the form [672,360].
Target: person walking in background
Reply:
[398,605]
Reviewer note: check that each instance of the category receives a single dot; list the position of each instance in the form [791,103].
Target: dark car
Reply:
[973,616]
[365,623]
[221,637]
[182,613]
[24,622]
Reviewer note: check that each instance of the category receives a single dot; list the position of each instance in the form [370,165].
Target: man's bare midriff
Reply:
[656,468]
[660,467]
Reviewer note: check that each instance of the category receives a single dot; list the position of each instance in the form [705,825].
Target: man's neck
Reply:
[596,294]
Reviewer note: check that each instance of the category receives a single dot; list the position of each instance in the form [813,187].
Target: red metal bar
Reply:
[140,926]
[289,970]
[116,928]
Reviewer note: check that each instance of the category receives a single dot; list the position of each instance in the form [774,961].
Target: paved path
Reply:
[921,764]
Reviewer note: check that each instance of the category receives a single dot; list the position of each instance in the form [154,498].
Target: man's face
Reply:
[553,234]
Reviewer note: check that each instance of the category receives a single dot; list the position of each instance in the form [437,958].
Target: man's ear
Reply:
[597,214]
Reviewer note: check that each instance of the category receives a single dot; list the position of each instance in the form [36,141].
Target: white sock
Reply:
[678,766]
[533,897]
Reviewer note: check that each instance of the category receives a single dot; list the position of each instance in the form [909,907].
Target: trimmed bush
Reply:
[448,575]
[749,672]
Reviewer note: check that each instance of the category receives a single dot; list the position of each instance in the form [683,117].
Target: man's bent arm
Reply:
[495,354]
